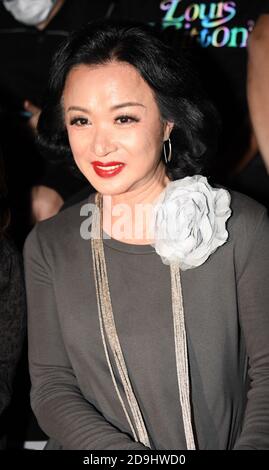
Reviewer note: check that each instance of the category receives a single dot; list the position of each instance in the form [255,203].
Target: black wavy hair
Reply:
[176,87]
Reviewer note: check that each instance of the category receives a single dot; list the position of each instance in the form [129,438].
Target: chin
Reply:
[112,191]
[110,188]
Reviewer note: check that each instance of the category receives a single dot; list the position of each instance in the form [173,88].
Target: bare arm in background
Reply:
[258,84]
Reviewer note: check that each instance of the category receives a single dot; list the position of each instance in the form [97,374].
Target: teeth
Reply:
[108,167]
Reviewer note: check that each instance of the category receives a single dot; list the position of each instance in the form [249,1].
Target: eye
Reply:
[126,119]
[79,121]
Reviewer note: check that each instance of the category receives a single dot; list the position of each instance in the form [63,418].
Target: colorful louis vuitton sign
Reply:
[213,24]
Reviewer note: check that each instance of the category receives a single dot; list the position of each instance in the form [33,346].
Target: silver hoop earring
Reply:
[169,158]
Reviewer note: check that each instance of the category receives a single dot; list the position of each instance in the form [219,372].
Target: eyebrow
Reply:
[78,108]
[117,106]
[129,103]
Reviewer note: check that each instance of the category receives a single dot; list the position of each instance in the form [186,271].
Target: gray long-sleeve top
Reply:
[226,302]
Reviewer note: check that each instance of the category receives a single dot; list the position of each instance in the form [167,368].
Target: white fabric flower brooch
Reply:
[189,221]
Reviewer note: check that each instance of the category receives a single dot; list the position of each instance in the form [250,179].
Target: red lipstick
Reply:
[106,170]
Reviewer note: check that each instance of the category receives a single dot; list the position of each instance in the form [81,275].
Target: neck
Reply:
[58,5]
[131,223]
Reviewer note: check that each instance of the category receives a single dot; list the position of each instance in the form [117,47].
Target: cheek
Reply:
[78,143]
[145,140]
[152,140]
[131,140]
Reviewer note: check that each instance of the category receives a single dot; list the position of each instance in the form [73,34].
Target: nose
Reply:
[102,143]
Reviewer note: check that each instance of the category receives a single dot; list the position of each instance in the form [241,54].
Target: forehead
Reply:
[113,81]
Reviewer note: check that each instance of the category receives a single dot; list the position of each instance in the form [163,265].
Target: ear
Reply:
[168,126]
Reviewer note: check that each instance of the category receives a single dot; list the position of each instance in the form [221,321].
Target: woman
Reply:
[147,315]
[12,308]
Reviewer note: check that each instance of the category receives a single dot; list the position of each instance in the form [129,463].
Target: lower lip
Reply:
[107,173]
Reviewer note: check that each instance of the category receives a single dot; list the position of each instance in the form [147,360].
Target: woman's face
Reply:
[114,126]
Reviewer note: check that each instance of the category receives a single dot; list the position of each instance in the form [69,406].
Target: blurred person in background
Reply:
[251,175]
[258,84]
[12,309]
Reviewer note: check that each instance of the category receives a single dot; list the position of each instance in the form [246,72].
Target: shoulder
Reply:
[248,232]
[64,225]
[61,235]
[246,217]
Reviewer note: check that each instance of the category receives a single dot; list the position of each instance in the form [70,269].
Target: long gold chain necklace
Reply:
[109,334]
